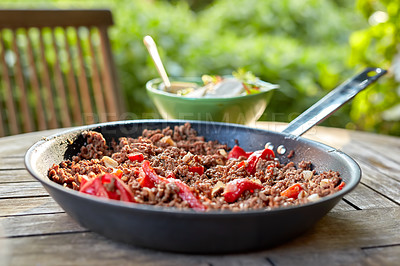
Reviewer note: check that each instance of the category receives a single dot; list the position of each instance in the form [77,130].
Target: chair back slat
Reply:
[83,83]
[47,87]
[76,109]
[97,88]
[108,75]
[65,118]
[34,82]
[27,123]
[11,109]
[56,70]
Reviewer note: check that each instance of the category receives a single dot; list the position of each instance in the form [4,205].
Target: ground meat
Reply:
[176,152]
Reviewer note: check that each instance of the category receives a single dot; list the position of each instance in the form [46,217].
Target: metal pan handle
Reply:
[333,101]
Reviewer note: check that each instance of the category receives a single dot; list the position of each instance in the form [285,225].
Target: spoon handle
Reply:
[333,101]
[152,48]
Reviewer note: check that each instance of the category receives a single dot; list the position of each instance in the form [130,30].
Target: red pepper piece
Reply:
[94,187]
[237,152]
[118,173]
[149,171]
[84,180]
[196,169]
[186,194]
[242,163]
[235,188]
[144,180]
[122,191]
[256,156]
[270,169]
[184,191]
[292,191]
[113,195]
[125,192]
[136,157]
[106,178]
[341,185]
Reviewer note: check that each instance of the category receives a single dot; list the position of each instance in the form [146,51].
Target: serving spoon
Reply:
[168,86]
[153,51]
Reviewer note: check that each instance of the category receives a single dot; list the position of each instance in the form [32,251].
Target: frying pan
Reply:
[189,231]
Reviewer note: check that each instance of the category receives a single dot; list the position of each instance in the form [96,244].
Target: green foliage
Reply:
[296,44]
[378,109]
[307,47]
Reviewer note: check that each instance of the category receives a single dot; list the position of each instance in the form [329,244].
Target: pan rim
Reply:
[183,212]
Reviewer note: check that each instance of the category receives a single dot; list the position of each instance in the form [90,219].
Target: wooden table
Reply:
[364,229]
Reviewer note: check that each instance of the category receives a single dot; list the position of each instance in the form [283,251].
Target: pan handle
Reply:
[333,101]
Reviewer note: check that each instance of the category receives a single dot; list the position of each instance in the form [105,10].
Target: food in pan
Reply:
[177,168]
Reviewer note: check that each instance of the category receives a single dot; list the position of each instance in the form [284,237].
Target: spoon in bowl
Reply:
[173,87]
[152,48]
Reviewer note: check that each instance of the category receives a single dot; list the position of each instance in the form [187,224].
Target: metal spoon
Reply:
[152,48]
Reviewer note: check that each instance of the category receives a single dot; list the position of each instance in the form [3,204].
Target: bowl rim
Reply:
[150,83]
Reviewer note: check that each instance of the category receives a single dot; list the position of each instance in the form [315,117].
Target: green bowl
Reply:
[245,109]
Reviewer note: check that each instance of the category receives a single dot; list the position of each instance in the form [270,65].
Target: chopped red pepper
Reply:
[94,187]
[252,157]
[97,187]
[136,157]
[106,178]
[242,163]
[235,188]
[341,185]
[196,169]
[292,191]
[186,194]
[126,194]
[149,171]
[184,191]
[118,173]
[113,195]
[121,191]
[237,152]
[270,169]
[256,156]
[144,180]
[84,179]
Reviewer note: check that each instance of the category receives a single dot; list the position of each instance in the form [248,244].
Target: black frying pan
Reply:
[214,231]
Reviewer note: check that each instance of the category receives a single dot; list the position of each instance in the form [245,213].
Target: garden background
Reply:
[308,47]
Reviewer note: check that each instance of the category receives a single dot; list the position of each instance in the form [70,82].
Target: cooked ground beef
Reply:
[174,152]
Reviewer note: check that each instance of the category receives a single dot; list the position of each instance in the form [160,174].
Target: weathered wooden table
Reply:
[364,229]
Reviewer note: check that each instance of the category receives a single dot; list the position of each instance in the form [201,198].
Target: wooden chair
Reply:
[56,70]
